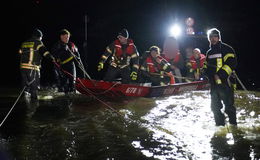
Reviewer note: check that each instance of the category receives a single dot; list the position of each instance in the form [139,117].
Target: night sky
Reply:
[147,22]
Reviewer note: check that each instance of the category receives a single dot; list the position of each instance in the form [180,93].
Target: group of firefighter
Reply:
[154,66]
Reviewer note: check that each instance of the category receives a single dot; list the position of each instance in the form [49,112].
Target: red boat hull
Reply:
[116,89]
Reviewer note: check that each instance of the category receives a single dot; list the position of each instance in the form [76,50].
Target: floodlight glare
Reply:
[175,30]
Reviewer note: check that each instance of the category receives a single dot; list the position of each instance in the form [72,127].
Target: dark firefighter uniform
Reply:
[123,60]
[32,52]
[156,69]
[221,61]
[65,55]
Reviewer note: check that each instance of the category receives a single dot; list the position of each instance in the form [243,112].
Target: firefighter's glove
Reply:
[133,75]
[100,66]
[217,79]
[161,74]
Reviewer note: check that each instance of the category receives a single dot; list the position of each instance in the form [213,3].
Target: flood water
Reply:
[77,127]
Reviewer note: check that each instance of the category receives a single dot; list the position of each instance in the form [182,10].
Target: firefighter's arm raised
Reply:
[108,52]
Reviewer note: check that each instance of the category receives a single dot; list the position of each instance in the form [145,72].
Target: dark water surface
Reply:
[76,127]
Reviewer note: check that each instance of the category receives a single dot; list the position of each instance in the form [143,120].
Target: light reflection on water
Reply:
[184,119]
[188,120]
[176,127]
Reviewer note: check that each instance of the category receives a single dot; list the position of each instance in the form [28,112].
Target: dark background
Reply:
[147,23]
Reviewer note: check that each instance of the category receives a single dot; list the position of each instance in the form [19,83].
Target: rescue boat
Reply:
[116,89]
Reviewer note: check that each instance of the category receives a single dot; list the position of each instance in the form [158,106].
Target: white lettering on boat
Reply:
[131,90]
[169,91]
[188,88]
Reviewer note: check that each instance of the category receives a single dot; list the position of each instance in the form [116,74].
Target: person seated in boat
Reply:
[123,59]
[188,53]
[172,54]
[156,69]
[195,64]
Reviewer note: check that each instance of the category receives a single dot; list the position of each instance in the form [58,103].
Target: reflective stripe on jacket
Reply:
[221,60]
[32,52]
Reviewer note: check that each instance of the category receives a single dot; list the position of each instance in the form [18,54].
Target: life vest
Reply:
[119,52]
[194,64]
[156,66]
[152,65]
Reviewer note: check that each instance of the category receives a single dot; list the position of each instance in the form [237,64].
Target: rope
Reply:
[12,106]
[128,118]
[66,72]
[158,74]
[16,101]
[94,96]
[90,92]
[109,89]
[28,84]
[80,64]
[240,82]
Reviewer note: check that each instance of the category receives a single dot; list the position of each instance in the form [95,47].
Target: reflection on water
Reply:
[188,120]
[177,127]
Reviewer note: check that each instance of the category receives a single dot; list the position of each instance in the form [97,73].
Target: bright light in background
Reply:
[175,30]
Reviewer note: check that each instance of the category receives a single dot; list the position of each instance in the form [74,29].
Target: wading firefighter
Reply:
[123,59]
[221,62]
[32,51]
[65,53]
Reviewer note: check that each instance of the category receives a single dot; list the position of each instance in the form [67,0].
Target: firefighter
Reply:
[195,64]
[221,61]
[65,53]
[32,51]
[156,69]
[123,59]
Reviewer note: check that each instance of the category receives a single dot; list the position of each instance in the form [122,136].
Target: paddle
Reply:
[185,78]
